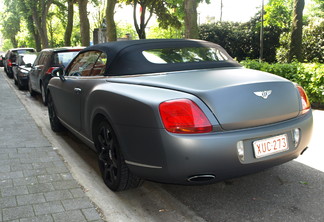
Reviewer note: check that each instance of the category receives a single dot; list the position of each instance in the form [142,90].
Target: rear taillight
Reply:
[50,70]
[184,116]
[304,100]
[9,63]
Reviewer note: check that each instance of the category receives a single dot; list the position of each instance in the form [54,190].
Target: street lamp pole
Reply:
[261,33]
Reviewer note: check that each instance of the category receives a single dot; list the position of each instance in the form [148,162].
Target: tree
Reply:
[190,18]
[69,25]
[84,23]
[27,15]
[39,9]
[161,8]
[11,22]
[297,31]
[111,25]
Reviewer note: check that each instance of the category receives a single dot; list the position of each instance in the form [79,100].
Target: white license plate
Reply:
[270,146]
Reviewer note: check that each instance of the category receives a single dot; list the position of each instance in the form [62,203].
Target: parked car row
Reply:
[174,111]
[33,70]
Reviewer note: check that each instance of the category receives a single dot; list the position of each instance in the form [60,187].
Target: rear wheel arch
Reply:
[113,168]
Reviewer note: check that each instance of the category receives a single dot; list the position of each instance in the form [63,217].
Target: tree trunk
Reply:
[191,26]
[69,26]
[84,23]
[111,25]
[295,51]
[14,42]
[40,20]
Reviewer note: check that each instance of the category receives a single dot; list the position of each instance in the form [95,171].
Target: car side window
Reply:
[90,63]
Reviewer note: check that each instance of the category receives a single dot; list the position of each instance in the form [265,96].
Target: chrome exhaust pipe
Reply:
[201,178]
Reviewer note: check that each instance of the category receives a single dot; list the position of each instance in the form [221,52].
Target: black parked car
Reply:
[11,57]
[46,61]
[21,68]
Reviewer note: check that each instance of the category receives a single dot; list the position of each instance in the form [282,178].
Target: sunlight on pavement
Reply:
[313,157]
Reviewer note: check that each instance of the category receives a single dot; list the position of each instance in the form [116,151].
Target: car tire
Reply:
[30,89]
[55,123]
[113,168]
[44,96]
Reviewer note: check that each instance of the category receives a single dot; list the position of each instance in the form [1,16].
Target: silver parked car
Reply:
[177,111]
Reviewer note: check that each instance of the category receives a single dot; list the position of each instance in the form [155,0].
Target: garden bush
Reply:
[309,75]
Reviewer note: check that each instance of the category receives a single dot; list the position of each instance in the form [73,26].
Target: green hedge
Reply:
[309,75]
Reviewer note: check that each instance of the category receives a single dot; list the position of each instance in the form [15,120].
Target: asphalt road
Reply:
[290,192]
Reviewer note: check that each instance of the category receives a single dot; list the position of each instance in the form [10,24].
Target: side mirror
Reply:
[58,72]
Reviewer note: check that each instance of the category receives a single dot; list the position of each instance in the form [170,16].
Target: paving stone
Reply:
[40,188]
[19,166]
[91,214]
[69,216]
[6,202]
[25,181]
[10,175]
[77,203]
[66,184]
[77,192]
[42,218]
[6,183]
[28,173]
[13,191]
[17,212]
[48,208]
[49,178]
[58,195]
[30,199]
[60,169]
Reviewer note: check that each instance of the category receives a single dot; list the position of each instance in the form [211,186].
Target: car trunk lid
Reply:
[238,97]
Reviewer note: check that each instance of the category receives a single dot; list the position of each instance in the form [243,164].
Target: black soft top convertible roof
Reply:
[126,57]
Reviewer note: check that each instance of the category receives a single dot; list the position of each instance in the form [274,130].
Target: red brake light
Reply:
[49,71]
[9,62]
[184,116]
[304,100]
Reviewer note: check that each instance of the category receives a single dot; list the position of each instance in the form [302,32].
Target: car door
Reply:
[69,93]
[37,67]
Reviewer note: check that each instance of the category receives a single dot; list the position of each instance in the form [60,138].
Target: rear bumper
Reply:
[172,158]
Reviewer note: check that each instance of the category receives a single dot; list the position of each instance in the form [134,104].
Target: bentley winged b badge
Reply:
[263,94]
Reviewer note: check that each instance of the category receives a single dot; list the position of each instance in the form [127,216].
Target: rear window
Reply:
[64,58]
[184,55]
[23,51]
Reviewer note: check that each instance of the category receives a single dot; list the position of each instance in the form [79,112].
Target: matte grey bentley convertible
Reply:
[177,111]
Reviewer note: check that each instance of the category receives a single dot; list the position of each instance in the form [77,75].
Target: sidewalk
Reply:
[35,184]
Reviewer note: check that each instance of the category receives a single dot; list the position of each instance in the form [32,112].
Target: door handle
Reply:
[77,90]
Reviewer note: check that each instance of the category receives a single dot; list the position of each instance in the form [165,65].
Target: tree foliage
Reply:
[11,21]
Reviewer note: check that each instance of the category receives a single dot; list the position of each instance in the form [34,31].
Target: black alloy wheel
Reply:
[55,123]
[113,168]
